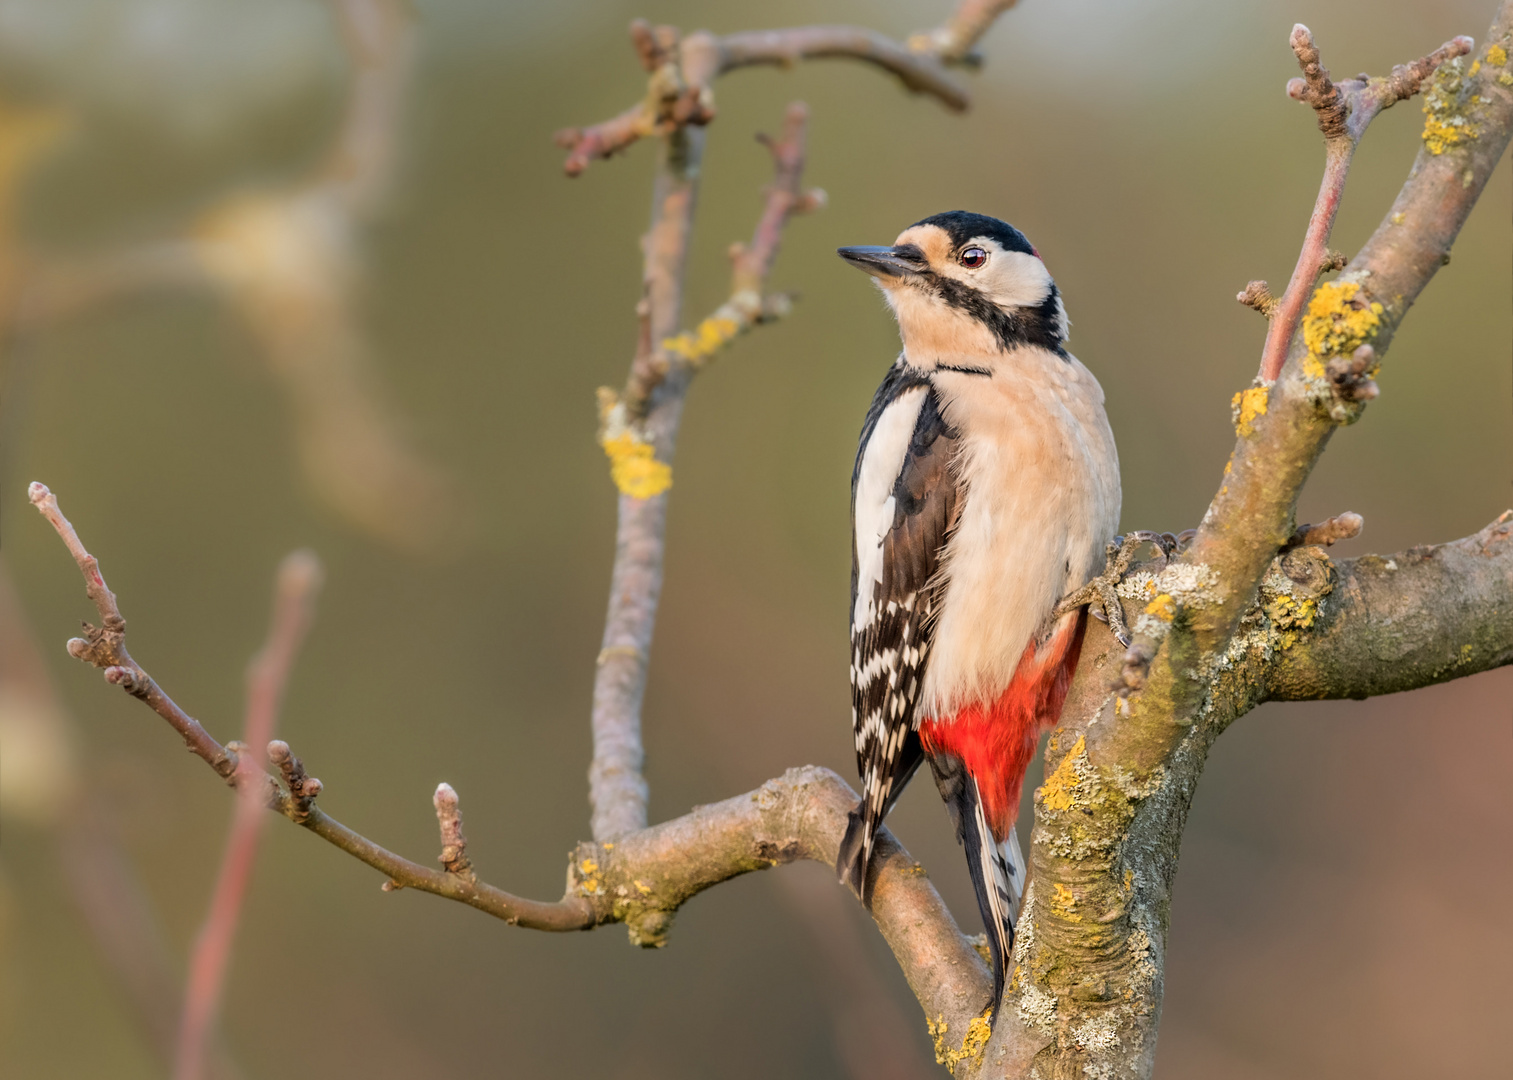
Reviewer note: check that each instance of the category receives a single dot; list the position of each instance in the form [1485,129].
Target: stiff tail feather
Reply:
[855,854]
[993,882]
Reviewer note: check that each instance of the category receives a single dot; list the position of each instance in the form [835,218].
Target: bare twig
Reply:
[953,41]
[267,676]
[919,71]
[1343,110]
[1346,526]
[104,646]
[672,101]
[681,71]
[748,304]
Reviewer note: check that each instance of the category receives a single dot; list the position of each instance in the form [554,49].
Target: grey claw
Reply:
[1124,639]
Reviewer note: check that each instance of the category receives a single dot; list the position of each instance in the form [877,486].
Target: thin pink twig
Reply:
[1289,310]
[298,579]
[1344,109]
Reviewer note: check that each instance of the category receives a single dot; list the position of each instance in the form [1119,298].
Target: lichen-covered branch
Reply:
[1087,985]
[1344,109]
[1422,616]
[1285,427]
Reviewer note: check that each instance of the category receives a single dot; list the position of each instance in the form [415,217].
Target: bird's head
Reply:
[965,285]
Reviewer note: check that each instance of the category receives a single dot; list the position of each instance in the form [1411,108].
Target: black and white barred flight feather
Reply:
[903,504]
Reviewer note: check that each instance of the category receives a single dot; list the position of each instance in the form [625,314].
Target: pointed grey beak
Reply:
[904,261]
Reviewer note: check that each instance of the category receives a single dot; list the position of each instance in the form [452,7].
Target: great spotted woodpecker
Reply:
[985,488]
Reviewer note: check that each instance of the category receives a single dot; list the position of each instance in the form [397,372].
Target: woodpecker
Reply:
[986,486]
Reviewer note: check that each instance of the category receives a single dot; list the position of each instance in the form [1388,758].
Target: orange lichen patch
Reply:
[634,467]
[1162,607]
[1058,791]
[1497,56]
[1245,407]
[1336,323]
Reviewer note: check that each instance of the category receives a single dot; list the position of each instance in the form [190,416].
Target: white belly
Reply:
[1041,499]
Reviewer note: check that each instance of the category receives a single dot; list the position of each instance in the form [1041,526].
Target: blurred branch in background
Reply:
[45,780]
[286,260]
[298,581]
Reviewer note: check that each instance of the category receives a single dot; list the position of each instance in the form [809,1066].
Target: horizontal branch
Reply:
[919,72]
[642,878]
[681,70]
[1419,617]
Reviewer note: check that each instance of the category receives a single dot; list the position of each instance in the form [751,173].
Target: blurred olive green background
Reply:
[1339,909]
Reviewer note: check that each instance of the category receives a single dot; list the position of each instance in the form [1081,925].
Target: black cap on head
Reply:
[961,226]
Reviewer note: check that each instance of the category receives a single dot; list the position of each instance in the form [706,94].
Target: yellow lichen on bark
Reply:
[1163,607]
[978,1033]
[1336,323]
[1057,791]
[708,338]
[634,467]
[1246,406]
[1445,123]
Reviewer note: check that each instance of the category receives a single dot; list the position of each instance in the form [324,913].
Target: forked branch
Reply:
[681,71]
[1344,110]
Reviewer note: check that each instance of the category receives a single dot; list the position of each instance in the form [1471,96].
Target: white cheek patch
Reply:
[1010,279]
[873,509]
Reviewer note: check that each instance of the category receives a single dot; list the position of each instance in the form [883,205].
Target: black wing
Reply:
[889,651]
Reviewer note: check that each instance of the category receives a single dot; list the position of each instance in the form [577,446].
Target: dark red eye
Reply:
[973,257]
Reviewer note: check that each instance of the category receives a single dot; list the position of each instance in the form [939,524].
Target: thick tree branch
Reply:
[1413,619]
[1088,979]
[1286,426]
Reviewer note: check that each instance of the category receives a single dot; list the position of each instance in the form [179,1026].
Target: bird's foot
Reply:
[1100,593]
